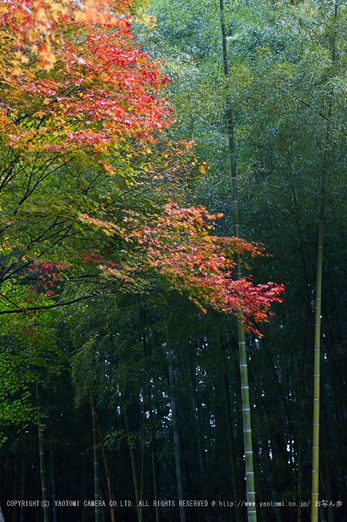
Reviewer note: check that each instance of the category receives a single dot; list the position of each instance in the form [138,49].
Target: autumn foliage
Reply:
[74,79]
[178,244]
[39,28]
[80,105]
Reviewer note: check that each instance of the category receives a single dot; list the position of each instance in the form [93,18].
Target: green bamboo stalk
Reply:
[247,429]
[316,379]
[246,411]
[317,337]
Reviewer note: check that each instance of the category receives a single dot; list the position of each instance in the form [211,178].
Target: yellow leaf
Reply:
[41,14]
[148,21]
[80,16]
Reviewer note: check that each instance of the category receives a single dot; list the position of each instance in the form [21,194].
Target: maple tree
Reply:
[74,132]
[101,89]
[79,97]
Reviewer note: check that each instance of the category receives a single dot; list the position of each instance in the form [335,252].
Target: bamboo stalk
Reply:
[247,429]
[317,337]
[316,379]
[246,411]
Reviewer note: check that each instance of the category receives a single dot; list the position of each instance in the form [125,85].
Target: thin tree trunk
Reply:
[232,451]
[176,449]
[15,495]
[197,423]
[326,473]
[246,411]
[53,486]
[152,434]
[84,488]
[316,380]
[42,460]
[154,463]
[142,479]
[96,472]
[22,491]
[262,491]
[340,420]
[51,467]
[108,480]
[300,451]
[133,464]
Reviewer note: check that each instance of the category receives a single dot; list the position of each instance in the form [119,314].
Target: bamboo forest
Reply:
[173,282]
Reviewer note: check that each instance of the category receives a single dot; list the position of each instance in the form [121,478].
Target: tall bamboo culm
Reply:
[246,411]
[317,334]
[316,378]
